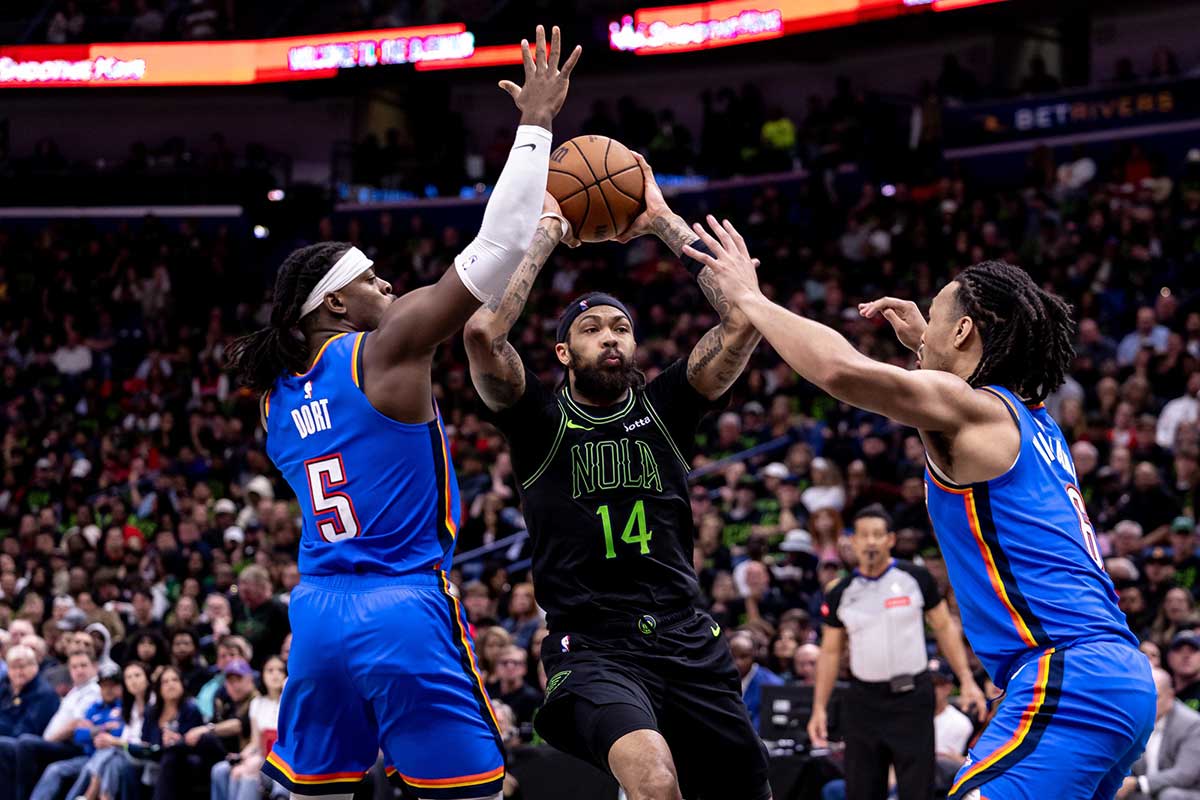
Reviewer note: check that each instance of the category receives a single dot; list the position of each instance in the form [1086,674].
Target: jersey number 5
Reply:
[333,511]
[1085,525]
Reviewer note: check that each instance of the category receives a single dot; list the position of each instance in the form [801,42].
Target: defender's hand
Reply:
[905,318]
[730,262]
[656,204]
[545,86]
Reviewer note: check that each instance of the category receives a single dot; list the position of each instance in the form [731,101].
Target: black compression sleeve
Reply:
[692,265]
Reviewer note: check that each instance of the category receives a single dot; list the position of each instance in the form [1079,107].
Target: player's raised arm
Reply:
[420,320]
[931,400]
[496,369]
[723,352]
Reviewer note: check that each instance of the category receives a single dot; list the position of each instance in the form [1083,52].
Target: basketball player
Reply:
[636,672]
[380,656]
[1036,604]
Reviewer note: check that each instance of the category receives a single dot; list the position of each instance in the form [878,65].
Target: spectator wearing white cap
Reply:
[827,490]
[224,515]
[234,535]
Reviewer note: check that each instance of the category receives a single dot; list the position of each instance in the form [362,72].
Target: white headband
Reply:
[352,264]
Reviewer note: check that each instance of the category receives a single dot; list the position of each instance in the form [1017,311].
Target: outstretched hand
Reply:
[731,264]
[903,315]
[545,88]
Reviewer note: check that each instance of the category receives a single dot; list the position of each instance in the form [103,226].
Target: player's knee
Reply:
[658,782]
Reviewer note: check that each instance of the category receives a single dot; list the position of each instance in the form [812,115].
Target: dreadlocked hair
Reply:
[1026,331]
[259,358]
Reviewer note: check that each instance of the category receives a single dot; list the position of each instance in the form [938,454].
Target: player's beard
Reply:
[603,384]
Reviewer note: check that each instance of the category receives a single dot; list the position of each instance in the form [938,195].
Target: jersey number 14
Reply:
[635,530]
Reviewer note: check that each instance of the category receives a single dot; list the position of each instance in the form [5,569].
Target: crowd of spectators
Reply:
[741,133]
[148,547]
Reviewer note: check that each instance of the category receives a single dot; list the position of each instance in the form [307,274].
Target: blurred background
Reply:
[149,191]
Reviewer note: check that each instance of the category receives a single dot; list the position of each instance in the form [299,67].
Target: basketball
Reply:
[598,185]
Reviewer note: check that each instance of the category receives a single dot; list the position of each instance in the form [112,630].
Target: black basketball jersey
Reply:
[605,497]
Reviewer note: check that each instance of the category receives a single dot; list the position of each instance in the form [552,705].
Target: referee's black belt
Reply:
[887,688]
[625,624]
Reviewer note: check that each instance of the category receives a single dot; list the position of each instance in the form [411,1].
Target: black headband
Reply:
[588,301]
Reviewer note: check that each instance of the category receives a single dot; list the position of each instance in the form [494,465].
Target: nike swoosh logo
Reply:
[716,630]
[530,146]
[576,427]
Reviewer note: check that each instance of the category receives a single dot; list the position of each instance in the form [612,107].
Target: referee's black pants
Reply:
[883,729]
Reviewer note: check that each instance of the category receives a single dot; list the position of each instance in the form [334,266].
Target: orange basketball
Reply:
[598,185]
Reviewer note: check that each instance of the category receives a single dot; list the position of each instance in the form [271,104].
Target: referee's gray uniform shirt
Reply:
[887,722]
[884,619]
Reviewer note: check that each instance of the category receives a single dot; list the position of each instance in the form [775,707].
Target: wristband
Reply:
[566,226]
[692,265]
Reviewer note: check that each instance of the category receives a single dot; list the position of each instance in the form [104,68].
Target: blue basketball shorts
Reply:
[1071,724]
[384,662]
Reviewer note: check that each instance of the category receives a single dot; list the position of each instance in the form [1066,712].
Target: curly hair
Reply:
[1026,331]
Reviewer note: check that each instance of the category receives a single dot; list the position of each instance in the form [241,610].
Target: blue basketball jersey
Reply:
[1021,553]
[377,495]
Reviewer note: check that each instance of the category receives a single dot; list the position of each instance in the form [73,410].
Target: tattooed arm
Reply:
[496,369]
[721,354]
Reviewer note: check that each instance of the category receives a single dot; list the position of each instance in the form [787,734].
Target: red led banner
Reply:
[246,62]
[678,29]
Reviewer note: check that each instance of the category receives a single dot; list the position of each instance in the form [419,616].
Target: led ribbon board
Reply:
[244,62]
[679,29]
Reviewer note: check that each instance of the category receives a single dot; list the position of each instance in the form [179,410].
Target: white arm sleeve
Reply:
[512,212]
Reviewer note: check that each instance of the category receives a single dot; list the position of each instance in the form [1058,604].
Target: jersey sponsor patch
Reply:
[897,602]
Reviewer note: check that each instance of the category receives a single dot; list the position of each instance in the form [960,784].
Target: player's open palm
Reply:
[545,87]
[732,266]
[903,315]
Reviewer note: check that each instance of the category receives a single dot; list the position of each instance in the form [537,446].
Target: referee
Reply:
[887,720]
